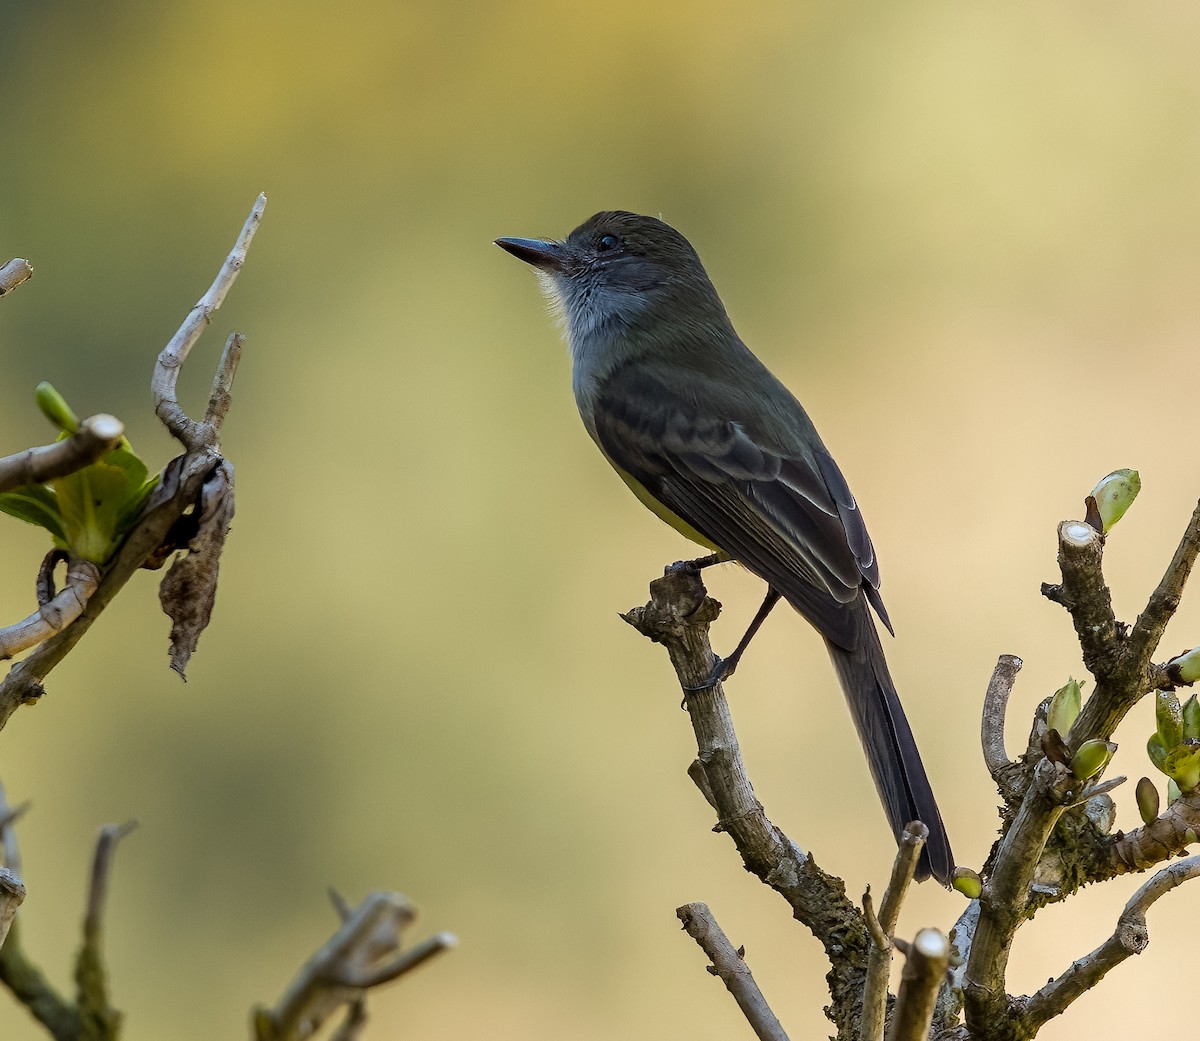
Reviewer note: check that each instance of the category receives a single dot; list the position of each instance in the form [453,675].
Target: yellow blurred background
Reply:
[969,239]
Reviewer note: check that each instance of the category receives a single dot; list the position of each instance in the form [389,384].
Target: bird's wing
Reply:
[787,516]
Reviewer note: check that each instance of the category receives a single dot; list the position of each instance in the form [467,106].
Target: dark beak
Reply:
[549,256]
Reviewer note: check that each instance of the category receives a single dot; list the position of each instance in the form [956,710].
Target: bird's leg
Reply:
[725,666]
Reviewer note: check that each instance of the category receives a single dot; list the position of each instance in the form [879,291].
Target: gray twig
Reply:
[995,707]
[90,1015]
[730,966]
[96,436]
[52,617]
[195,435]
[912,841]
[12,887]
[1130,937]
[10,852]
[362,954]
[220,396]
[106,846]
[926,961]
[91,975]
[13,274]
[1160,608]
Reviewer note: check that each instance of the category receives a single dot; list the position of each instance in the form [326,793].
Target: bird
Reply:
[712,443]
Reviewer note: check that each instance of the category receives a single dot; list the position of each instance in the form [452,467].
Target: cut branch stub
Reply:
[678,616]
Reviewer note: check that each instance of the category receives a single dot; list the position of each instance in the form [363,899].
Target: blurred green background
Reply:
[969,239]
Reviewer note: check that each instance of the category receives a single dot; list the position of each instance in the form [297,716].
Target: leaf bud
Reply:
[1146,794]
[1064,707]
[1169,716]
[55,408]
[1114,495]
[1092,757]
[967,882]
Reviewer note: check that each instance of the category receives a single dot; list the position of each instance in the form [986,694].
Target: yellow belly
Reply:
[664,514]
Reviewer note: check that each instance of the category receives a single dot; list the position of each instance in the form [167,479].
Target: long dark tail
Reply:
[890,747]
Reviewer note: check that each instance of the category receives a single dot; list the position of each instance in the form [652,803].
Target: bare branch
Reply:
[1086,596]
[1131,936]
[925,965]
[96,436]
[106,846]
[912,841]
[221,397]
[878,937]
[13,274]
[1160,608]
[406,961]
[360,955]
[1006,893]
[731,967]
[10,853]
[12,895]
[12,888]
[29,986]
[200,435]
[1103,788]
[678,616]
[995,707]
[340,904]
[56,614]
[1120,689]
[90,1015]
[1170,834]
[91,976]
[352,1026]
[178,490]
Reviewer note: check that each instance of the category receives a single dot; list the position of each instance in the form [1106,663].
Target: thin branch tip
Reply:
[13,273]
[995,710]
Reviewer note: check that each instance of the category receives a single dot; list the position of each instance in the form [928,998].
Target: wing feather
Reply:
[787,516]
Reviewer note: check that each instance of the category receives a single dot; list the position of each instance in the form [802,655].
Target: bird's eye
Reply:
[608,242]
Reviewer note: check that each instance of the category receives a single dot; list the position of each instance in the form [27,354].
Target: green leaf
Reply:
[134,505]
[91,501]
[36,504]
[1182,765]
[101,501]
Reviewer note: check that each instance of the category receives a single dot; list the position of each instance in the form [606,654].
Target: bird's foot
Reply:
[694,566]
[720,672]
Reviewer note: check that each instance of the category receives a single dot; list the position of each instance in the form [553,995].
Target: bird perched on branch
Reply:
[717,447]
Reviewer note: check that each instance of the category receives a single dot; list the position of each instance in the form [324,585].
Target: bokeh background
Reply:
[969,239]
